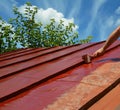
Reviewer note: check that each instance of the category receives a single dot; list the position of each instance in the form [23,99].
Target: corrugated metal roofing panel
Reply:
[47,72]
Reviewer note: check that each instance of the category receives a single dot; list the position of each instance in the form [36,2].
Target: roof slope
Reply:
[39,76]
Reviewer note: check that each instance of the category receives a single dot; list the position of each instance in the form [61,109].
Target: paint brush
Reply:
[87,58]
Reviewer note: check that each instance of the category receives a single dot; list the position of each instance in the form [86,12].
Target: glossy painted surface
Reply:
[36,78]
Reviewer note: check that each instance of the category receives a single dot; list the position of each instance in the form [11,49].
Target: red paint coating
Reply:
[39,73]
[32,62]
[21,53]
[25,57]
[41,96]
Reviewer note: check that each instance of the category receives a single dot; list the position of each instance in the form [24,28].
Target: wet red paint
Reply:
[38,97]
[38,73]
[45,93]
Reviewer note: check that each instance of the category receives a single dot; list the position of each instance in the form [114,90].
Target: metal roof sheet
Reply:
[35,78]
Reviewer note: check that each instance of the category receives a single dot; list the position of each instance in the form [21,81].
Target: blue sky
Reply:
[93,17]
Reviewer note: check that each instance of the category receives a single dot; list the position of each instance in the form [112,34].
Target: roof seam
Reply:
[30,49]
[4,98]
[36,56]
[100,95]
[24,54]
[48,53]
[16,72]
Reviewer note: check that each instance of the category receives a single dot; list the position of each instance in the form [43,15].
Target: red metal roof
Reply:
[50,77]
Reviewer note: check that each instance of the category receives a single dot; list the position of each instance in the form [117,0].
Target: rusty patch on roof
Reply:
[35,78]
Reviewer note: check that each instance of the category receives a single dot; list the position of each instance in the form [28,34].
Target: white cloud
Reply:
[44,16]
[22,9]
[117,11]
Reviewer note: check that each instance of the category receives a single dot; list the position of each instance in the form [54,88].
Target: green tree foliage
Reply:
[27,33]
[32,34]
[7,42]
[87,40]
